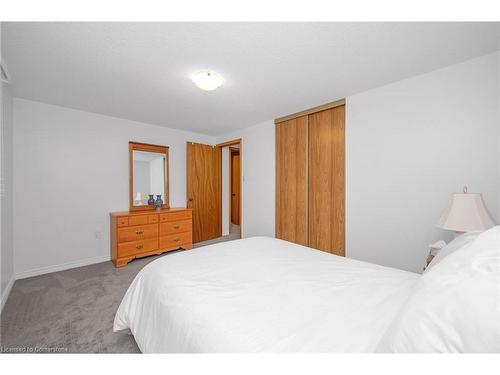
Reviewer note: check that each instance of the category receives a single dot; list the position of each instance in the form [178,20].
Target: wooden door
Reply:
[203,190]
[235,187]
[326,180]
[291,180]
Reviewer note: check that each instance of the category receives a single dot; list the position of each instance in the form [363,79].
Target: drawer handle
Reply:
[176,227]
[139,232]
[177,240]
[139,247]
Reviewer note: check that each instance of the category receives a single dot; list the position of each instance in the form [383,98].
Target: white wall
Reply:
[257,169]
[498,85]
[71,170]
[408,146]
[6,190]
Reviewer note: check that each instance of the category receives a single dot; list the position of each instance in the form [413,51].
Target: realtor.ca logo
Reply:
[33,349]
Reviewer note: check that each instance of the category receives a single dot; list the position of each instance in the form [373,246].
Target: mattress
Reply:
[261,294]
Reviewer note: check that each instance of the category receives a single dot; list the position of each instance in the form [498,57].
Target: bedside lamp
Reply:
[465,212]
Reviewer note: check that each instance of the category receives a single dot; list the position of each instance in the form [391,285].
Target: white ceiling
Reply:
[141,71]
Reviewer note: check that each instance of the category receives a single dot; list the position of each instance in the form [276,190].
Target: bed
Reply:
[267,295]
[261,295]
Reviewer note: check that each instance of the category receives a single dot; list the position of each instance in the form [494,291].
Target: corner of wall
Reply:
[5,293]
[498,120]
[6,190]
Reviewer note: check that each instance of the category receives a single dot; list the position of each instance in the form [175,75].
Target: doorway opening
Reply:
[231,178]
[231,191]
[214,187]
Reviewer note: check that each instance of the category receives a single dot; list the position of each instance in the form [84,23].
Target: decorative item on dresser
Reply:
[151,200]
[158,202]
[141,233]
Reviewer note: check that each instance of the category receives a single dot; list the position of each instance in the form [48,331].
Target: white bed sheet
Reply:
[261,295]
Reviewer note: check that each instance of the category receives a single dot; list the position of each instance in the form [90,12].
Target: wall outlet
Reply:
[98,235]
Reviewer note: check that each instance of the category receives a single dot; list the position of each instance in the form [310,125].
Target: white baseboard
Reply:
[61,267]
[6,293]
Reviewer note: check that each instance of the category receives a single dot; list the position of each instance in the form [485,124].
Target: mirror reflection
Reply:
[149,177]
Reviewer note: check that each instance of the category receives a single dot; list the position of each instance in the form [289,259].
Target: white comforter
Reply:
[261,295]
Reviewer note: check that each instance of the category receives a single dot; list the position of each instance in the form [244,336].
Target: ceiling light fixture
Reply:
[207,80]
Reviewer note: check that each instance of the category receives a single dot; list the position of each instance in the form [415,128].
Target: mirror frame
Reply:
[136,146]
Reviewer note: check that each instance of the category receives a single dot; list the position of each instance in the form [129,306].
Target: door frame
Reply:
[237,141]
[233,150]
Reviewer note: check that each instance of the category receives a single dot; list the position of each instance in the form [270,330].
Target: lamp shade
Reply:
[465,212]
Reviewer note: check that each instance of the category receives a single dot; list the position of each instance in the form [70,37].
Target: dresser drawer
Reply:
[137,247]
[176,240]
[153,219]
[138,220]
[122,221]
[137,232]
[175,216]
[172,227]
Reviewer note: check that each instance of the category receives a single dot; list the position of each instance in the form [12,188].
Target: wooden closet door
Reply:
[291,180]
[326,180]
[203,190]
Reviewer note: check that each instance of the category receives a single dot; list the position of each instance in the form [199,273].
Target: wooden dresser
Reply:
[141,233]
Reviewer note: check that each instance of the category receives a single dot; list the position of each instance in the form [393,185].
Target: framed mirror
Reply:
[148,176]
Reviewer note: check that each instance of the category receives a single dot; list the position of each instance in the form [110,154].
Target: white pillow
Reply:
[455,307]
[457,243]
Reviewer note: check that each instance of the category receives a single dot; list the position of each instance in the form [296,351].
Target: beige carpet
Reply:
[72,311]
[234,234]
[69,311]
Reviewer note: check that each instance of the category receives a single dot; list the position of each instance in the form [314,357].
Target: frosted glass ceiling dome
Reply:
[207,80]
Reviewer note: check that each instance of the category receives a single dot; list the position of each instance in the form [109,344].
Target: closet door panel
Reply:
[291,180]
[326,225]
